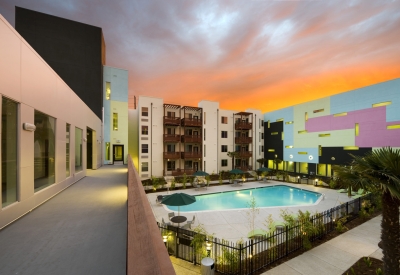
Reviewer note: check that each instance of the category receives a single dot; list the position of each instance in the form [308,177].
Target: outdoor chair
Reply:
[343,190]
[186,226]
[170,215]
[164,224]
[192,221]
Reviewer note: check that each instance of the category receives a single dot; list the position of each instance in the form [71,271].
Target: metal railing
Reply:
[247,257]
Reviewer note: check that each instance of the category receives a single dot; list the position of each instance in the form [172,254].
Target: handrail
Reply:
[146,252]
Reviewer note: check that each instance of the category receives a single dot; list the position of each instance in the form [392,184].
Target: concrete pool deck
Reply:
[233,225]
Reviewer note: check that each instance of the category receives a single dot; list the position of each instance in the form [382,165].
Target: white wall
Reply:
[27,79]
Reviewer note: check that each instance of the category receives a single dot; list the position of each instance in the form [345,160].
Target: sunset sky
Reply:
[245,54]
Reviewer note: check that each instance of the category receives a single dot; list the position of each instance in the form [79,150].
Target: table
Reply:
[178,219]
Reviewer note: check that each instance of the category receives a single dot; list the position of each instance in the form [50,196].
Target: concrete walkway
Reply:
[82,230]
[337,255]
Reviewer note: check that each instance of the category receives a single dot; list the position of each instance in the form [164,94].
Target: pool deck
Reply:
[233,225]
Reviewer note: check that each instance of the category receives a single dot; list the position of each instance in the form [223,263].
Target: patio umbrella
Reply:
[200,174]
[263,169]
[178,199]
[236,171]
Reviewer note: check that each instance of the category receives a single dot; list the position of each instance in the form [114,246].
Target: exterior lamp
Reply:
[208,248]
[298,179]
[316,182]
[165,238]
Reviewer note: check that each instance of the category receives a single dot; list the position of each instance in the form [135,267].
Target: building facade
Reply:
[115,115]
[176,140]
[312,137]
[48,134]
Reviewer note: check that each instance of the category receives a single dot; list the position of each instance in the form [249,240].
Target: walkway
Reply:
[82,230]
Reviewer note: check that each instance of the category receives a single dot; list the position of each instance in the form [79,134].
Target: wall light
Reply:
[29,127]
[291,156]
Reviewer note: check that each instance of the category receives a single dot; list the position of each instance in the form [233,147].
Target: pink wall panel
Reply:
[372,126]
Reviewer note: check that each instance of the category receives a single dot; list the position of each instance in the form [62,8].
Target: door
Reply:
[89,148]
[118,152]
[195,166]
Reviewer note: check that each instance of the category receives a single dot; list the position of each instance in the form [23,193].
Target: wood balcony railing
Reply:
[171,138]
[245,154]
[191,138]
[191,155]
[244,167]
[243,140]
[192,122]
[243,126]
[172,155]
[175,121]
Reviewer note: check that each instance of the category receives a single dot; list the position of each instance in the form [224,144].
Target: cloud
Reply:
[245,54]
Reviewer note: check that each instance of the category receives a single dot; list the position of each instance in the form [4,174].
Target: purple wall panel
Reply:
[372,127]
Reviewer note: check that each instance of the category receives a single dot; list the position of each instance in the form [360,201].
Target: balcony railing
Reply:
[191,155]
[171,138]
[192,122]
[245,154]
[243,140]
[191,138]
[172,155]
[175,121]
[244,167]
[243,126]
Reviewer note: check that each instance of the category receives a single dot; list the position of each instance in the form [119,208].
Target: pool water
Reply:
[272,196]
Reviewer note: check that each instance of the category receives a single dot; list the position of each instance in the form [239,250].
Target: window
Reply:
[115,121]
[262,135]
[145,166]
[224,148]
[108,90]
[204,118]
[108,151]
[224,120]
[224,162]
[170,114]
[67,143]
[145,148]
[262,148]
[204,150]
[204,134]
[9,151]
[44,148]
[171,148]
[224,134]
[145,111]
[170,165]
[145,130]
[188,164]
[78,149]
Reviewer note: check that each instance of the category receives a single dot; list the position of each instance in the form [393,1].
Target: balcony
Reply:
[172,155]
[174,121]
[171,138]
[244,167]
[191,122]
[243,125]
[245,154]
[243,140]
[191,138]
[191,155]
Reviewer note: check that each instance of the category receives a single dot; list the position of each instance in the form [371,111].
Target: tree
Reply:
[261,162]
[277,162]
[379,171]
[233,155]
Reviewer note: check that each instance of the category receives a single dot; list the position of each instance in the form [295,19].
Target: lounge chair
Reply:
[343,190]
[361,192]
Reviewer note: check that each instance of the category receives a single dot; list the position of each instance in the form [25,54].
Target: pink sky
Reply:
[245,54]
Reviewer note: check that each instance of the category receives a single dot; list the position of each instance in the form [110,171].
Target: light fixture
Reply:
[291,156]
[310,157]
[165,238]
[29,127]
[208,248]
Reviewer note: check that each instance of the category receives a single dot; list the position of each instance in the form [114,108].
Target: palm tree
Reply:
[233,155]
[261,161]
[277,162]
[379,171]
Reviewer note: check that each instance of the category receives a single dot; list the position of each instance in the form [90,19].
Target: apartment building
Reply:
[176,140]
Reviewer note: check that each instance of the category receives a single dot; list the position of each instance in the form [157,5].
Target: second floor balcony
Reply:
[244,167]
[174,121]
[172,155]
[191,138]
[191,122]
[171,138]
[242,125]
[191,155]
[245,154]
[243,140]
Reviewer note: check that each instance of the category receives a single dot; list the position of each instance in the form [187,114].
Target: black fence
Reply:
[255,254]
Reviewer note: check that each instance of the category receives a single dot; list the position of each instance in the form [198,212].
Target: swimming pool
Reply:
[271,196]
